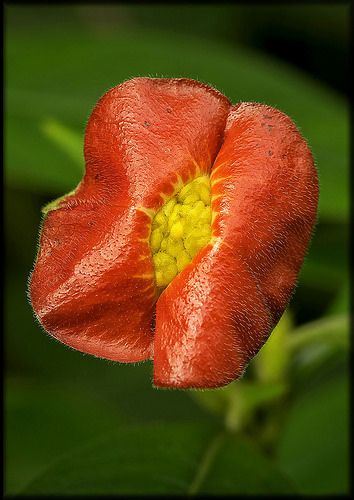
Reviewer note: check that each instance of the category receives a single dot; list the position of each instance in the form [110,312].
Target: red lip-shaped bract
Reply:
[93,284]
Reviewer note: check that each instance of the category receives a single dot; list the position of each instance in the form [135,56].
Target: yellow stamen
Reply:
[180,229]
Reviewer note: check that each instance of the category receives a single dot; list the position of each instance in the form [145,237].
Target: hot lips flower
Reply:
[183,241]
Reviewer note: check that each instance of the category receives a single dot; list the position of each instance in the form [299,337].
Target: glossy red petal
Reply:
[220,310]
[208,322]
[92,286]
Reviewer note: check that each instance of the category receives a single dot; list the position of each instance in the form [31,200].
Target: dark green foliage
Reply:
[76,424]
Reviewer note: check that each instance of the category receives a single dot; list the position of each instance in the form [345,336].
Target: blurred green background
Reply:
[76,424]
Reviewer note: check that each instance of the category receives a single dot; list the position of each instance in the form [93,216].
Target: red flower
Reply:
[217,201]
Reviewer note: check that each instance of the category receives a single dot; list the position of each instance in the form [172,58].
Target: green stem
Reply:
[334,329]
[206,463]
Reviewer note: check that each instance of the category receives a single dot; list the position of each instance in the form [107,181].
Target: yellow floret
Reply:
[155,241]
[167,209]
[162,259]
[191,245]
[180,229]
[183,260]
[205,216]
[177,230]
[169,273]
[164,244]
[184,210]
[174,247]
[204,194]
[174,217]
[191,198]
[198,209]
[160,218]
[184,192]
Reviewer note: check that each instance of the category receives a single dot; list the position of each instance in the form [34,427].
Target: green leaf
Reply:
[271,363]
[249,397]
[333,330]
[62,77]
[238,402]
[241,469]
[46,419]
[162,459]
[68,140]
[327,264]
[317,344]
[314,449]
[341,301]
[34,163]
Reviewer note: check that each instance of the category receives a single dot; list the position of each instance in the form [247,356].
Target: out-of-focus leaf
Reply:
[68,140]
[329,330]
[44,420]
[169,459]
[216,401]
[341,301]
[238,401]
[271,363]
[240,468]
[33,162]
[20,236]
[52,75]
[319,274]
[313,448]
[326,266]
[317,344]
[247,398]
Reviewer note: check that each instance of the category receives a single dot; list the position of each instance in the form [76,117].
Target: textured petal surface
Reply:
[92,286]
[220,310]
[208,322]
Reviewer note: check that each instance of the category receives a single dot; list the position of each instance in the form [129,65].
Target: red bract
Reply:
[94,287]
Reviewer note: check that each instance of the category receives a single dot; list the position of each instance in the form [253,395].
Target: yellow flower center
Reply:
[180,229]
